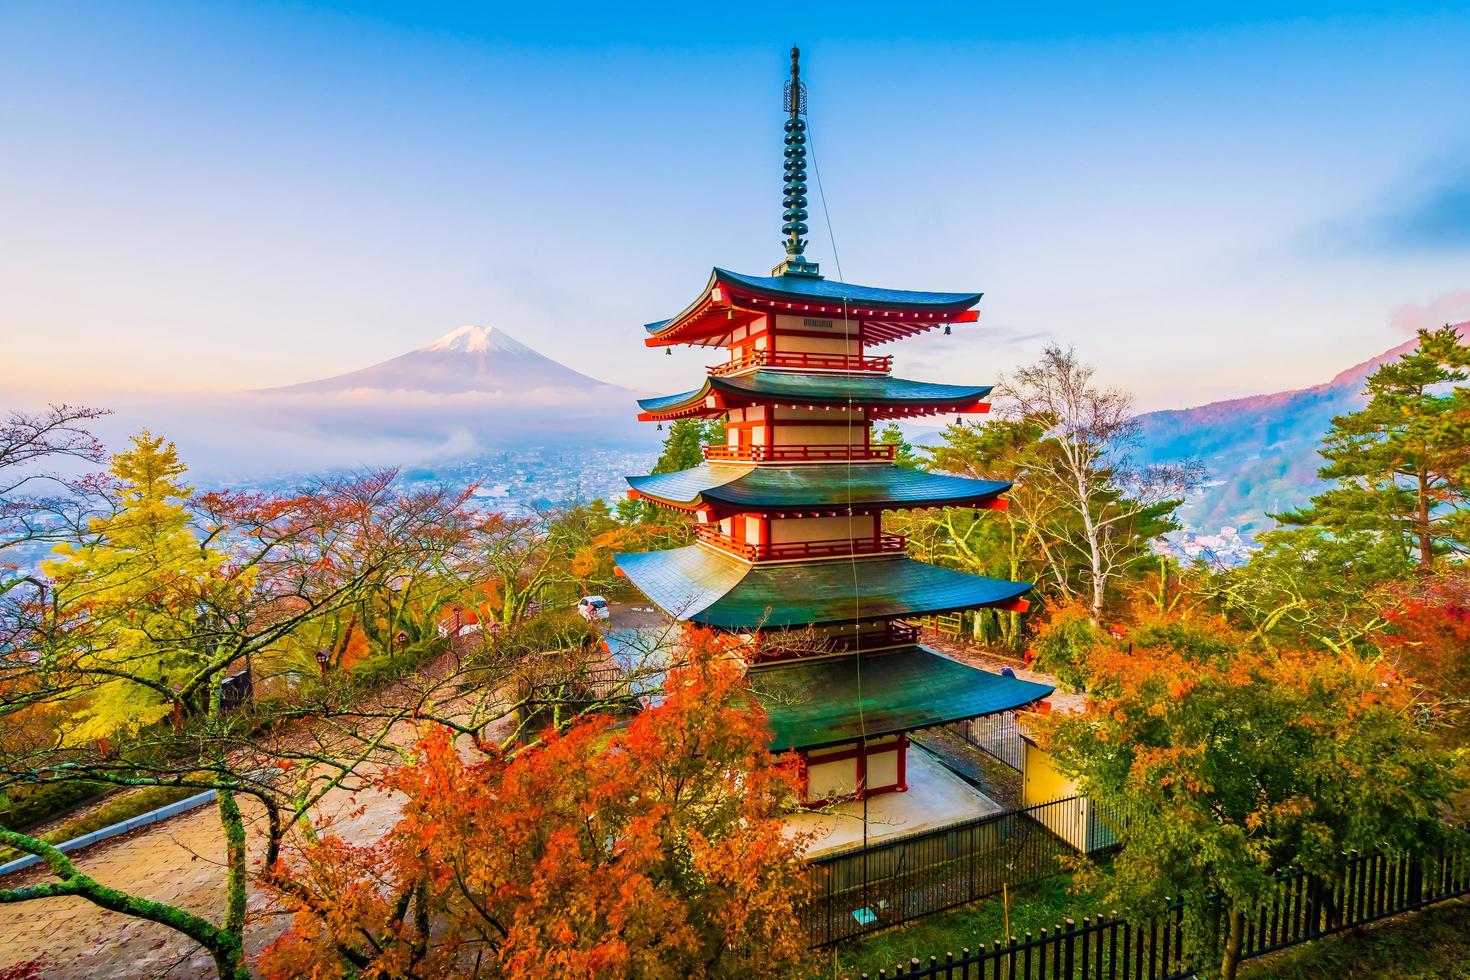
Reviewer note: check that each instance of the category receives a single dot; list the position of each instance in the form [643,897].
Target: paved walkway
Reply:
[1060,700]
[181,862]
[935,798]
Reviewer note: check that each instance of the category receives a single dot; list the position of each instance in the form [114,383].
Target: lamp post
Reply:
[322,659]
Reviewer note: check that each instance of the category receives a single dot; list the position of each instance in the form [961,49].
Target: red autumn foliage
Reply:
[1428,632]
[655,850]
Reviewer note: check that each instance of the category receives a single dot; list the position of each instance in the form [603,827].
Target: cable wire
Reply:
[857,645]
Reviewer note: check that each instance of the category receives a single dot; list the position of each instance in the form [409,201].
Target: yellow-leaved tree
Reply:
[138,585]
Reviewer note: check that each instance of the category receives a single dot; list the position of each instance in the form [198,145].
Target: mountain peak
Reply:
[472,358]
[1261,450]
[477,339]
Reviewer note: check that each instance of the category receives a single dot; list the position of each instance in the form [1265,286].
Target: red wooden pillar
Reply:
[903,756]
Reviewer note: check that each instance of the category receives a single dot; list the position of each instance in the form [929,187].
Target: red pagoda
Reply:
[789,532]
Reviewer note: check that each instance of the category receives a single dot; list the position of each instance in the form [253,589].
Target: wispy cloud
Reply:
[1014,339]
[1426,212]
[1436,218]
[1453,307]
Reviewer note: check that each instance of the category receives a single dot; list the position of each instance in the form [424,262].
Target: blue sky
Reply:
[1209,201]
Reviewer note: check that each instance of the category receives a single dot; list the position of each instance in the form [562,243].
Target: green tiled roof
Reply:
[695,584]
[820,389]
[830,290]
[815,485]
[811,703]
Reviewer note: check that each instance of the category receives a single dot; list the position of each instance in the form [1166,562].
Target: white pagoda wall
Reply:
[834,772]
[788,529]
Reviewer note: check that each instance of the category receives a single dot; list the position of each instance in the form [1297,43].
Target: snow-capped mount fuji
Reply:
[469,359]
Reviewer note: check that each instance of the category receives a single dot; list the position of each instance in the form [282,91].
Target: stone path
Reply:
[180,862]
[1060,700]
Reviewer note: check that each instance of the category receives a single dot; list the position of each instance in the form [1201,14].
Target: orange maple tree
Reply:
[651,850]
[1218,764]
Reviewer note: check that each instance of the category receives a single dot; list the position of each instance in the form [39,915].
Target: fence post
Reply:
[1168,933]
[1314,906]
[1416,880]
[1069,938]
[1179,934]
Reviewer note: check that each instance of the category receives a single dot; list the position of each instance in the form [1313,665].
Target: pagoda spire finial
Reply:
[794,227]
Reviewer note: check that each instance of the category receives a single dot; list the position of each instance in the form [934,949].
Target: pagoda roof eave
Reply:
[811,703]
[736,488]
[697,585]
[730,299]
[872,299]
[869,391]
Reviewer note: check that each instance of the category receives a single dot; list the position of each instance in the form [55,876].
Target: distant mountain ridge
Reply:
[1260,450]
[474,390]
[471,358]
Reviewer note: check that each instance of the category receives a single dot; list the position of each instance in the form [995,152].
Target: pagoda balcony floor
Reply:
[936,798]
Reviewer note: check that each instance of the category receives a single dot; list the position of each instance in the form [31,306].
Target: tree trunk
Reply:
[226,948]
[1426,540]
[229,957]
[1094,550]
[1230,959]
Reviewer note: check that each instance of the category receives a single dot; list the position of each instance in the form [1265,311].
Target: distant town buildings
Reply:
[1225,548]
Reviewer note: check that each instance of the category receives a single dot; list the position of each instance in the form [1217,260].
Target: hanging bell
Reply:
[946,330]
[660,427]
[668,352]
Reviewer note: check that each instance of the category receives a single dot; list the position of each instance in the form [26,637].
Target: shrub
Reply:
[1065,645]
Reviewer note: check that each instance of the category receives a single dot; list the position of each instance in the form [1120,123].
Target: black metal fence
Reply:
[1302,907]
[914,875]
[995,735]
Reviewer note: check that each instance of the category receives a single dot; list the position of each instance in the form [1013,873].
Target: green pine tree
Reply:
[904,455]
[684,445]
[1402,464]
[683,449]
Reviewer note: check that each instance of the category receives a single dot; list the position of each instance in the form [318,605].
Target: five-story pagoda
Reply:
[789,533]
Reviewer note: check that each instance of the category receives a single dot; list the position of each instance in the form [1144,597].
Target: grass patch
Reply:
[1426,945]
[29,806]
[120,807]
[1033,907]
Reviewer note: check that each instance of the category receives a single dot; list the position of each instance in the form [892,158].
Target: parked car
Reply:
[592,607]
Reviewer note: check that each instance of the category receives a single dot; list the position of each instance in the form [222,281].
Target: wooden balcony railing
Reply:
[792,550]
[901,632]
[799,454]
[785,645]
[895,633]
[804,361]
